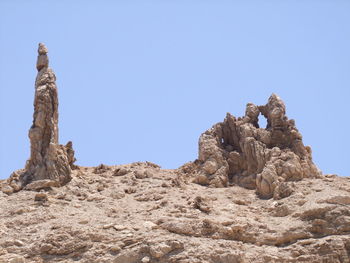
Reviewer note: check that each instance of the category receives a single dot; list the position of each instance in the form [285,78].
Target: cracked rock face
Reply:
[48,159]
[237,150]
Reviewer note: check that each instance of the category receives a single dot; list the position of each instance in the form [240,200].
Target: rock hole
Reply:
[262,121]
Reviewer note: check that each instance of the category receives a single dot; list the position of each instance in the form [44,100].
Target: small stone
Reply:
[84,222]
[140,174]
[41,184]
[160,250]
[45,248]
[117,195]
[199,203]
[176,244]
[17,259]
[130,190]
[281,211]
[6,189]
[150,225]
[18,243]
[119,227]
[60,195]
[202,179]
[115,249]
[145,260]
[100,187]
[241,202]
[40,197]
[15,186]
[120,171]
[107,226]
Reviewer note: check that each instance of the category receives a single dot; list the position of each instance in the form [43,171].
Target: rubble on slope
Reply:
[104,216]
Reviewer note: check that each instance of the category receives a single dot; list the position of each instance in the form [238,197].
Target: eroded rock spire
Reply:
[50,163]
[238,151]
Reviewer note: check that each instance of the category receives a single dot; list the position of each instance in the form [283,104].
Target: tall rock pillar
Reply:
[48,159]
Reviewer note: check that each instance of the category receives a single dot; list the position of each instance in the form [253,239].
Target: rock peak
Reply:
[43,60]
[48,159]
[42,49]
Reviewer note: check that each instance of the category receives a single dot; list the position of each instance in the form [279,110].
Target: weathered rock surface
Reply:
[100,217]
[140,213]
[238,151]
[48,159]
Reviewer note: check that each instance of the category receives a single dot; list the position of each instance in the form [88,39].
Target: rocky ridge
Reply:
[253,195]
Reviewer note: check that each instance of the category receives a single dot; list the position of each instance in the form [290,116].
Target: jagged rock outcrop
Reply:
[237,150]
[138,212]
[50,163]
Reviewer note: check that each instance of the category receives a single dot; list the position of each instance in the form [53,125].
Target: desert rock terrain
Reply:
[253,195]
[141,213]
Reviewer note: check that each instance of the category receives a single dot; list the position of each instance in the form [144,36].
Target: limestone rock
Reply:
[41,184]
[237,150]
[309,222]
[40,197]
[137,212]
[48,159]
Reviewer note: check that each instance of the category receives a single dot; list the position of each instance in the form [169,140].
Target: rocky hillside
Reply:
[141,213]
[253,195]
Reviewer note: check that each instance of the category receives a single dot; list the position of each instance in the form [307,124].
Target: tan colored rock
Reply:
[119,227]
[6,189]
[165,217]
[120,171]
[339,199]
[140,174]
[115,249]
[188,224]
[238,150]
[17,259]
[160,250]
[40,197]
[145,260]
[41,184]
[48,159]
[149,225]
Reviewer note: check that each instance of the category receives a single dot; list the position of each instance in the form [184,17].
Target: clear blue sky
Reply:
[141,80]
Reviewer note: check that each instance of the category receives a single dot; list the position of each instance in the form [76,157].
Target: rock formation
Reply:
[138,212]
[238,151]
[48,159]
